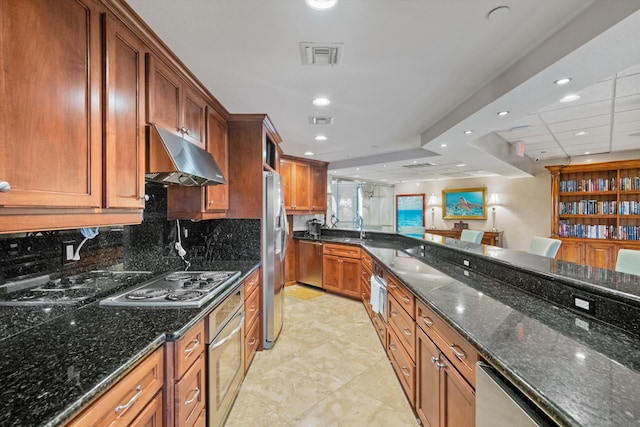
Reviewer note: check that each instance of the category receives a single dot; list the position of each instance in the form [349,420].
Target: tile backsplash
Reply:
[147,246]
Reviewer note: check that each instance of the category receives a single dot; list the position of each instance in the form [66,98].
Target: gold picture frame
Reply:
[464,203]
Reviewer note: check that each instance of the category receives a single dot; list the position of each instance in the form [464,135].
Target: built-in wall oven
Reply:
[225,356]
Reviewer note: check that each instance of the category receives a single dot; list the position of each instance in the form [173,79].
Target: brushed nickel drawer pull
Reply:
[440,365]
[406,299]
[406,331]
[194,398]
[405,372]
[130,402]
[252,342]
[427,320]
[394,313]
[460,355]
[434,359]
[392,347]
[252,309]
[195,345]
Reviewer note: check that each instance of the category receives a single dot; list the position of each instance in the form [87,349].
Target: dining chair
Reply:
[628,261]
[474,236]
[544,246]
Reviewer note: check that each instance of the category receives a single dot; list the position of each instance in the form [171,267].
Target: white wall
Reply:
[524,210]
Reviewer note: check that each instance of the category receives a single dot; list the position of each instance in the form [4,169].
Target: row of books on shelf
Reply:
[629,207]
[584,231]
[588,207]
[599,184]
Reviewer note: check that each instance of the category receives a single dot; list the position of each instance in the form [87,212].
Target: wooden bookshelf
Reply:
[595,210]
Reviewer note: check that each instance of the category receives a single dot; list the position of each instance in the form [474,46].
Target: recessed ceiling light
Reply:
[443,145]
[357,169]
[415,161]
[384,166]
[308,153]
[563,81]
[570,98]
[321,4]
[468,132]
[581,133]
[355,176]
[321,102]
[320,138]
[461,165]
[503,113]
[384,179]
[587,152]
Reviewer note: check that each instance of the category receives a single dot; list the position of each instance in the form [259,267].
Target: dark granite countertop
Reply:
[580,371]
[53,369]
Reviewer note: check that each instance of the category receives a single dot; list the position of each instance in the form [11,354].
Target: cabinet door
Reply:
[458,400]
[218,195]
[163,95]
[124,117]
[427,381]
[194,115]
[318,188]
[152,414]
[286,170]
[302,184]
[50,119]
[331,272]
[572,252]
[350,281]
[600,254]
[190,394]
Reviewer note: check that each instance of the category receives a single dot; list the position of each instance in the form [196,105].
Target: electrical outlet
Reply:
[68,250]
[466,262]
[584,304]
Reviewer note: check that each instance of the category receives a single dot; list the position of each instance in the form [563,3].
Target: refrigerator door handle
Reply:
[284,233]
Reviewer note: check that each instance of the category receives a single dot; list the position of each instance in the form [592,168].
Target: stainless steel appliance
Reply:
[74,290]
[379,296]
[274,243]
[225,356]
[177,289]
[313,228]
[310,263]
[499,405]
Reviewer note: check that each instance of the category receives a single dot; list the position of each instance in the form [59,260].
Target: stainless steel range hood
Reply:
[173,160]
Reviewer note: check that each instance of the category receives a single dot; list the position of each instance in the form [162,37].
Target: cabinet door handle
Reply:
[392,286]
[252,342]
[4,186]
[407,332]
[252,309]
[434,359]
[427,320]
[440,365]
[195,345]
[405,372]
[406,299]
[184,130]
[131,401]
[394,313]
[144,197]
[211,202]
[194,398]
[459,354]
[392,347]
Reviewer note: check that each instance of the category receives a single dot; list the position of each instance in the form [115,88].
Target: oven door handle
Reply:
[217,343]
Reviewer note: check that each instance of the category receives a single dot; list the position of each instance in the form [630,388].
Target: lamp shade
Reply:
[433,200]
[494,199]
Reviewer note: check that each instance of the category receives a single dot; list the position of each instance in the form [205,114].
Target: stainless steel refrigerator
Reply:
[274,244]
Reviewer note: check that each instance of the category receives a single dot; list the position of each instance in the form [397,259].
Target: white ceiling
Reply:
[416,73]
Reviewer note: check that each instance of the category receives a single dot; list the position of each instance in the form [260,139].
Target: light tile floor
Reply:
[328,368]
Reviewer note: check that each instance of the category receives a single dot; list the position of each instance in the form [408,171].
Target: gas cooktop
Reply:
[179,289]
[74,290]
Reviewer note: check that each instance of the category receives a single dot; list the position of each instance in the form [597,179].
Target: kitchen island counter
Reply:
[53,370]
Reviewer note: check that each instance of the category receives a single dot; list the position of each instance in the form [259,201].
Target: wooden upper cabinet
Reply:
[173,104]
[50,120]
[217,198]
[319,188]
[124,116]
[304,185]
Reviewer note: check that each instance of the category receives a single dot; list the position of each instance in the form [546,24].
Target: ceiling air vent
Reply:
[328,120]
[419,165]
[321,53]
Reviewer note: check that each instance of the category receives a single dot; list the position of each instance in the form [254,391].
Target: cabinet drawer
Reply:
[252,282]
[365,292]
[366,274]
[367,261]
[381,328]
[341,250]
[123,402]
[153,414]
[459,352]
[403,365]
[402,295]
[190,394]
[251,343]
[403,325]
[251,308]
[188,348]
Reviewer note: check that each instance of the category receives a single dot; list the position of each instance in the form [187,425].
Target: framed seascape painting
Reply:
[465,203]
[409,210]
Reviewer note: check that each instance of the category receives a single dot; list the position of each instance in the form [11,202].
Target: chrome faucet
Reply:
[360,220]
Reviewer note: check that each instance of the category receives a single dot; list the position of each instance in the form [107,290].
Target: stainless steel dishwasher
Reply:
[310,263]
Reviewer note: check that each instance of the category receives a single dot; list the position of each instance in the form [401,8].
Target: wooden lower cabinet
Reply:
[601,255]
[252,324]
[443,397]
[341,270]
[594,252]
[190,394]
[403,364]
[128,401]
